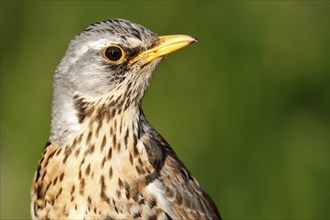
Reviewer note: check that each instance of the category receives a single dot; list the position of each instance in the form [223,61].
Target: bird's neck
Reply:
[77,115]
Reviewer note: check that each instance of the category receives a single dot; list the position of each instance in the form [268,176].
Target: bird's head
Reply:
[115,58]
[106,68]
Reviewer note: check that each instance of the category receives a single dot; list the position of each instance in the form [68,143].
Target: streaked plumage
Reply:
[104,160]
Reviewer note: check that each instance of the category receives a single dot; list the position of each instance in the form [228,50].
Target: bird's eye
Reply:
[114,53]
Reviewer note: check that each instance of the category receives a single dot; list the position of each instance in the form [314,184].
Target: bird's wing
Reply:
[181,196]
[187,199]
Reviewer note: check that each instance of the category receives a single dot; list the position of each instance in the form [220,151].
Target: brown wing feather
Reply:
[183,192]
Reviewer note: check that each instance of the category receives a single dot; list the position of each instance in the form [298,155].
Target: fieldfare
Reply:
[104,160]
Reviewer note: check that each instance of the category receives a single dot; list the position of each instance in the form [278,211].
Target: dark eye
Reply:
[113,53]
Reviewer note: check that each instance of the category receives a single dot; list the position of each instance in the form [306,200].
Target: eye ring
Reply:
[113,53]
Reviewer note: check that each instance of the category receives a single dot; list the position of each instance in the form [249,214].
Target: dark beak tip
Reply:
[195,40]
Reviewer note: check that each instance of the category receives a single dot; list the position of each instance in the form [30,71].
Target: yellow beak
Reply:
[165,45]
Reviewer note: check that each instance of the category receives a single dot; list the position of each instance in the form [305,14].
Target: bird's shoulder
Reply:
[179,189]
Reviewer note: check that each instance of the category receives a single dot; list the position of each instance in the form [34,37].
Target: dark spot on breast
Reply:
[77,152]
[126,137]
[110,154]
[103,162]
[89,137]
[50,156]
[39,191]
[82,162]
[120,183]
[82,186]
[59,193]
[114,140]
[127,190]
[121,124]
[136,215]
[55,181]
[104,197]
[74,142]
[92,149]
[103,143]
[135,150]
[108,218]
[152,217]
[118,193]
[83,108]
[110,173]
[138,169]
[115,124]
[116,209]
[43,175]
[58,151]
[152,202]
[61,176]
[72,189]
[103,187]
[88,169]
[79,139]
[112,113]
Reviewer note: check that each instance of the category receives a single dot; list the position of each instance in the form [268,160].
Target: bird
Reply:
[103,159]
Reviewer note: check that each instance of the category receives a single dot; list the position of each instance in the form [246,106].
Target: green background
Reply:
[246,108]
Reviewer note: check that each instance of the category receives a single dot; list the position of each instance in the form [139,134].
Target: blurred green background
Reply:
[246,108]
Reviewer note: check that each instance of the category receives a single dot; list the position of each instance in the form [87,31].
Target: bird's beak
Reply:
[165,45]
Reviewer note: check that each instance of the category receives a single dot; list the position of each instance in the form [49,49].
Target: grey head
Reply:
[106,59]
[84,68]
